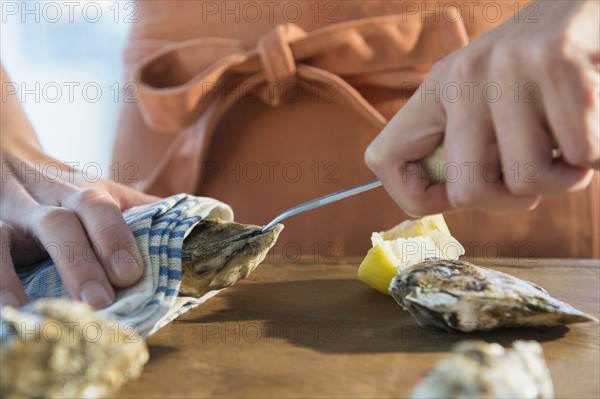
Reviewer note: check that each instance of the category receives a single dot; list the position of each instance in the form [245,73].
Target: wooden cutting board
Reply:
[301,328]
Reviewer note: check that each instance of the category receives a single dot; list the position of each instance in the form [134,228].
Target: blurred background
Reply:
[65,59]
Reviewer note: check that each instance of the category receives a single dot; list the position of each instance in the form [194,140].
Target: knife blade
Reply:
[433,164]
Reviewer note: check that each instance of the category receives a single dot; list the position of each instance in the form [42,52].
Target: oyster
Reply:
[455,295]
[58,348]
[216,254]
[476,369]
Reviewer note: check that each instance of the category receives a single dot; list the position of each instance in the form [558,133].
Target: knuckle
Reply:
[444,67]
[437,71]
[462,69]
[53,215]
[561,48]
[557,51]
[84,197]
[502,60]
[545,55]
[112,233]
[373,159]
[550,48]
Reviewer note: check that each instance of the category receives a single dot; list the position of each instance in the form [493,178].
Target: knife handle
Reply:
[434,164]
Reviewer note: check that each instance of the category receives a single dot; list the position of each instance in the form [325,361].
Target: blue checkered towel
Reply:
[159,230]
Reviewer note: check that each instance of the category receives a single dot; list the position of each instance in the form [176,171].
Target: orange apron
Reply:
[267,104]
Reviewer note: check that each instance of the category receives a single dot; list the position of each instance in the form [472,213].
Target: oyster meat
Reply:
[476,369]
[455,295]
[216,254]
[58,348]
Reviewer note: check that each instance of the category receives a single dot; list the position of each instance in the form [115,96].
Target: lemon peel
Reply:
[408,242]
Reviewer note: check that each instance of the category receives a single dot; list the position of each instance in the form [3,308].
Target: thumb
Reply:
[396,154]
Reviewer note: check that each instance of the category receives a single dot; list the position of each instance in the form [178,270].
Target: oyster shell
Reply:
[216,254]
[476,369]
[58,348]
[455,295]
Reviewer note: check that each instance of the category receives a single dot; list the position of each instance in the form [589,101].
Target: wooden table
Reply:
[301,329]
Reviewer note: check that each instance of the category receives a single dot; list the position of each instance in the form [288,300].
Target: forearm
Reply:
[20,148]
[17,135]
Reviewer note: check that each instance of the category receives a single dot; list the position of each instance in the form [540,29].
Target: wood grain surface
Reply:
[308,329]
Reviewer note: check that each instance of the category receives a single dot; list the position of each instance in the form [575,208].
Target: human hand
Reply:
[77,222]
[498,145]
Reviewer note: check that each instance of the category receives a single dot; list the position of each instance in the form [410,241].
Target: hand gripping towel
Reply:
[159,230]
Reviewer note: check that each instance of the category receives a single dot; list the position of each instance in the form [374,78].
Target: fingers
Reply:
[529,167]
[474,178]
[571,95]
[108,240]
[82,230]
[114,243]
[11,289]
[62,234]
[573,110]
[79,235]
[394,156]
[522,128]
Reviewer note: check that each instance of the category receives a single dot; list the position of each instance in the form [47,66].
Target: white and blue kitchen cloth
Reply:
[159,230]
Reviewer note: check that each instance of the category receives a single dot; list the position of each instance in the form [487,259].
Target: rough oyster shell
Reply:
[58,348]
[216,254]
[480,370]
[459,296]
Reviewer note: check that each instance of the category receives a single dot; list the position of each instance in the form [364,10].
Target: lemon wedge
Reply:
[409,242]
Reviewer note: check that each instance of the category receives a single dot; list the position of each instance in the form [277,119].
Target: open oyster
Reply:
[216,254]
[58,348]
[455,295]
[479,370]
